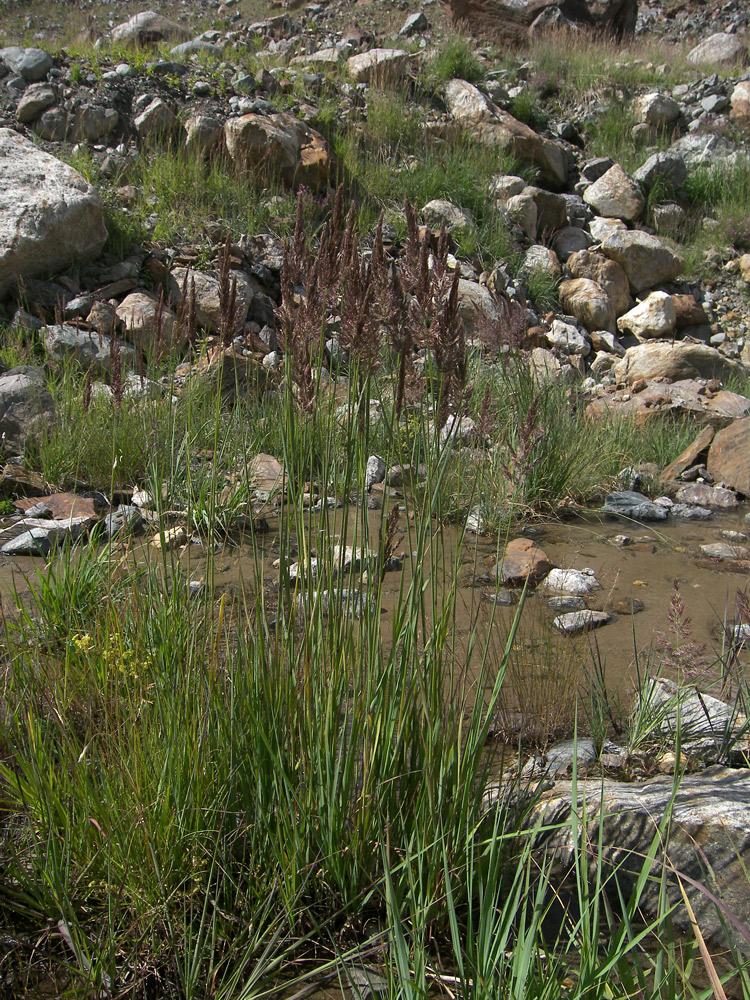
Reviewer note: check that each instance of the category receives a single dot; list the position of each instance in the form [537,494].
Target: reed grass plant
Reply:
[237,793]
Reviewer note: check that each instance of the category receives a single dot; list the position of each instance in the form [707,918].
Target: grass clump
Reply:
[456,59]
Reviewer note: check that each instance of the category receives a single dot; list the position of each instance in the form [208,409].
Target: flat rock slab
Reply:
[729,456]
[689,456]
[708,839]
[36,536]
[60,505]
[580,621]
[676,361]
[707,496]
[686,396]
[726,551]
[50,216]
[634,506]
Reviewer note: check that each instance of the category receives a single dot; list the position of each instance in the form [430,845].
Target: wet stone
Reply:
[707,496]
[123,521]
[580,621]
[629,504]
[691,512]
[725,551]
[505,598]
[565,604]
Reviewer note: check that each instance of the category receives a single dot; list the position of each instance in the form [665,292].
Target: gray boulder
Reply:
[149,28]
[25,406]
[667,165]
[707,841]
[32,64]
[719,49]
[89,350]
[50,215]
[634,506]
[34,100]
[706,150]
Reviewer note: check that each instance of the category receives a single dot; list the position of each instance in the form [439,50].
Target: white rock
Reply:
[50,216]
[655,316]
[572,581]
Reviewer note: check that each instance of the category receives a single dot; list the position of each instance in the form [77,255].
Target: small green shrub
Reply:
[457,59]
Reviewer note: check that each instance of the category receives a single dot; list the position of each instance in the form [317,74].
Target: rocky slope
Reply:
[639,335]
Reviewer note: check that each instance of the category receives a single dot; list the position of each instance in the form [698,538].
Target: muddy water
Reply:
[545,667]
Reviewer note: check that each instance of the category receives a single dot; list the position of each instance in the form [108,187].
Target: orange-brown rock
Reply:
[729,456]
[521,561]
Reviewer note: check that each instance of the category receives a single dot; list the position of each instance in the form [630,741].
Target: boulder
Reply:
[34,100]
[601,228]
[570,240]
[545,366]
[93,122]
[148,324]
[689,312]
[656,109]
[478,308]
[507,22]
[495,127]
[197,46]
[681,360]
[572,581]
[702,827]
[203,134]
[568,339]
[655,316]
[551,209]
[719,49]
[607,274]
[521,561]
[667,165]
[685,397]
[707,496]
[705,149]
[574,622]
[52,125]
[39,536]
[615,195]
[155,122]
[89,350]
[50,216]
[687,457]
[278,142]
[588,302]
[633,506]
[741,100]
[149,28]
[729,456]
[26,406]
[32,64]
[439,211]
[540,258]
[207,295]
[646,260]
[523,211]
[322,59]
[382,67]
